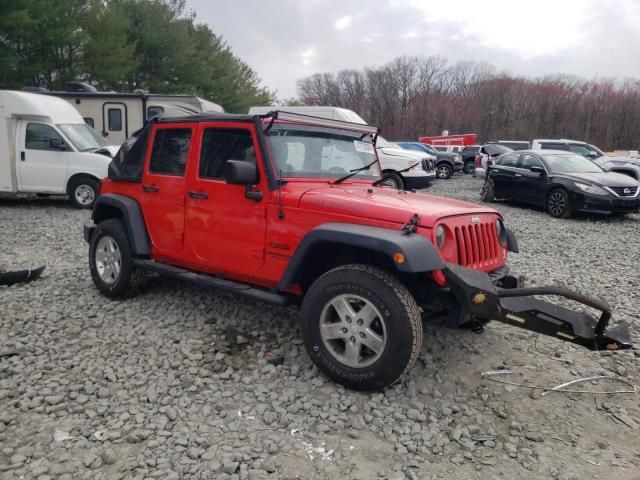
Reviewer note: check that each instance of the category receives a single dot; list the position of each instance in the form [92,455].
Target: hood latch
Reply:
[411,225]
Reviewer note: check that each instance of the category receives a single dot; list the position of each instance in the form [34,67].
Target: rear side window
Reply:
[222,144]
[115,119]
[170,149]
[553,146]
[39,136]
[509,160]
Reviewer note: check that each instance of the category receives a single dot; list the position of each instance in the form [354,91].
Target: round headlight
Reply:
[440,236]
[501,232]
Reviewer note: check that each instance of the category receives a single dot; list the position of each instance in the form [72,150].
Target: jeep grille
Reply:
[478,245]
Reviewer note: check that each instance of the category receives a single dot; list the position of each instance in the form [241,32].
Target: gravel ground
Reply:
[174,384]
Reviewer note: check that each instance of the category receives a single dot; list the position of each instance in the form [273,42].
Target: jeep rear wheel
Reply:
[361,326]
[111,261]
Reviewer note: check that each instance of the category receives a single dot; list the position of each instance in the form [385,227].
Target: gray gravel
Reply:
[175,383]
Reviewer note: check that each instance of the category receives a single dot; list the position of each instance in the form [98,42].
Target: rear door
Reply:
[225,230]
[114,121]
[164,188]
[504,175]
[41,158]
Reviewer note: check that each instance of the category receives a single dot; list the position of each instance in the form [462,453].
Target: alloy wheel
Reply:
[557,203]
[353,331]
[108,260]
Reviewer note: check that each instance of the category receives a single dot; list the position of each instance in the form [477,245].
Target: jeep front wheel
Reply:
[111,261]
[361,326]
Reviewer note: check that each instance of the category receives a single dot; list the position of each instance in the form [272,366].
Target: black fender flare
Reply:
[420,254]
[132,218]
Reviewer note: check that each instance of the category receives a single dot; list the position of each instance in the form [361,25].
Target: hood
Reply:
[607,179]
[108,150]
[401,152]
[386,204]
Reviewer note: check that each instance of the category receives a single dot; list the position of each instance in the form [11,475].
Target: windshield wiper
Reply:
[384,177]
[353,172]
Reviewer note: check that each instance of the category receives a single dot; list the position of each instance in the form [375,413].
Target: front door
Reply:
[41,158]
[164,188]
[114,122]
[225,230]
[531,185]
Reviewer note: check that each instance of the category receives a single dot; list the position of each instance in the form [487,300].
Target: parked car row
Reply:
[561,182]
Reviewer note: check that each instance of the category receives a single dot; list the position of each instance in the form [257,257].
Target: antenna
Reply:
[280,210]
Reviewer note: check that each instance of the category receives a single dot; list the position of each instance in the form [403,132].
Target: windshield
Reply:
[570,163]
[321,153]
[382,143]
[82,136]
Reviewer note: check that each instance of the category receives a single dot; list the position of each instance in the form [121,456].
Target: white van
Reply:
[46,148]
[393,160]
[117,115]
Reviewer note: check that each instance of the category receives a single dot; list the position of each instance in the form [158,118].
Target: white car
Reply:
[46,148]
[394,161]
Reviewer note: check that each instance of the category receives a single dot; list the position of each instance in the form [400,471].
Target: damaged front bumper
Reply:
[479,297]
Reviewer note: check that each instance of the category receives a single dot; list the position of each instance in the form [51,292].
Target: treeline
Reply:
[415,96]
[122,45]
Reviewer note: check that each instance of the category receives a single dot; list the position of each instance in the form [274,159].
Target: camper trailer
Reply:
[117,115]
[46,148]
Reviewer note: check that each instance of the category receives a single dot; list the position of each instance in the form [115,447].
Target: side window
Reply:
[115,119]
[169,153]
[89,121]
[153,111]
[222,144]
[580,150]
[42,137]
[527,161]
[553,146]
[509,160]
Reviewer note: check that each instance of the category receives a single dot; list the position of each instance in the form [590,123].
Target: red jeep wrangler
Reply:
[286,208]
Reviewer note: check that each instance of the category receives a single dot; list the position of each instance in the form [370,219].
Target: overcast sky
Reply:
[285,40]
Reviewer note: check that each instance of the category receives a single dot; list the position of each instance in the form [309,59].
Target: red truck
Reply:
[289,209]
[461,140]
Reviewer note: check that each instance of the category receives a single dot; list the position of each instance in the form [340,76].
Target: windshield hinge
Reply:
[411,225]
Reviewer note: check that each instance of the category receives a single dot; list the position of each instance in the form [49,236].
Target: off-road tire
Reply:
[444,171]
[393,180]
[83,183]
[555,197]
[131,277]
[469,167]
[401,317]
[487,193]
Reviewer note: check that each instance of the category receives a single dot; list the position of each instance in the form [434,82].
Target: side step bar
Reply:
[206,280]
[479,297]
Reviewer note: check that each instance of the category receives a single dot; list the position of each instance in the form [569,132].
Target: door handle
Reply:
[517,174]
[201,195]
[150,188]
[22,156]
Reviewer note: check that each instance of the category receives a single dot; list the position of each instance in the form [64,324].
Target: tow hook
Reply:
[479,297]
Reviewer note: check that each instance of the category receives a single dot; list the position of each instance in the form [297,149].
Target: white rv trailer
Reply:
[117,115]
[46,148]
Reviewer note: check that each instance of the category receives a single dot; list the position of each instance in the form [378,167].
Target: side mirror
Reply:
[57,144]
[592,155]
[537,169]
[242,172]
